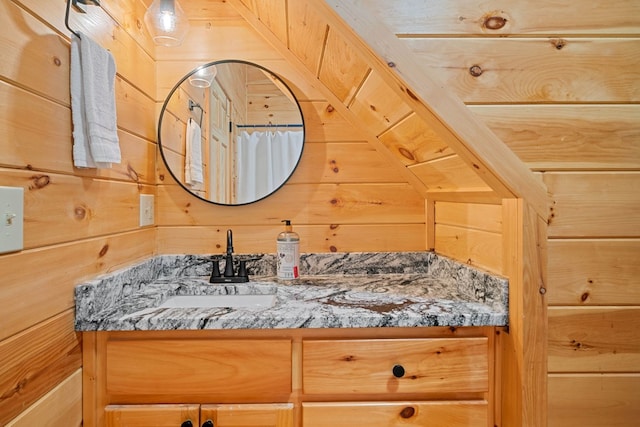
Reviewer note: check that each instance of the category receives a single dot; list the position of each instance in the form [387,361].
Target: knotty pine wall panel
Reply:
[313,238]
[593,400]
[470,230]
[594,339]
[594,204]
[446,17]
[568,137]
[78,222]
[37,360]
[213,40]
[558,83]
[532,70]
[308,204]
[62,406]
[584,272]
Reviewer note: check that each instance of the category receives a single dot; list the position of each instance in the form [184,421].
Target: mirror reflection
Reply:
[231,132]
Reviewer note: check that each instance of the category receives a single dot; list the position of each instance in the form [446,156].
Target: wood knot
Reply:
[406,153]
[334,166]
[333,226]
[373,108]
[103,251]
[56,61]
[80,212]
[39,181]
[334,201]
[330,108]
[558,43]
[349,358]
[408,412]
[494,22]
[584,297]
[333,248]
[475,70]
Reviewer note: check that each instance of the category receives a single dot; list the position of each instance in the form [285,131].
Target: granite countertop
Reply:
[355,290]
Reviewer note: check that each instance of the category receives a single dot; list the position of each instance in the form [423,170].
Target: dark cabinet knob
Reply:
[208,423]
[187,423]
[398,371]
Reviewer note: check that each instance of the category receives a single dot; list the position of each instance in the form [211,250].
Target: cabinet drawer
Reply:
[395,366]
[198,367]
[383,414]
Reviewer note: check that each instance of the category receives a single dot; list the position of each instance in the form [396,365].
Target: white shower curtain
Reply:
[264,161]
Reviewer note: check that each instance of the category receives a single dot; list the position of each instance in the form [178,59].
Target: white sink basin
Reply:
[232,301]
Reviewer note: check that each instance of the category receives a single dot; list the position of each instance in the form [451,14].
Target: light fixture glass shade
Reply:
[203,77]
[166,22]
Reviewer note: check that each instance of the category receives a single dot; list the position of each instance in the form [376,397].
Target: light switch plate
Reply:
[11,219]
[147,216]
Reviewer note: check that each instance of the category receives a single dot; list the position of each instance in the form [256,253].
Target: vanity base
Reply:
[292,377]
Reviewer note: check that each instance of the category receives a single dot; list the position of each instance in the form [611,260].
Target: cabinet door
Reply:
[392,414]
[151,415]
[248,415]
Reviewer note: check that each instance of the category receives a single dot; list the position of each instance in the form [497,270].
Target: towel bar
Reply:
[79,9]
[193,105]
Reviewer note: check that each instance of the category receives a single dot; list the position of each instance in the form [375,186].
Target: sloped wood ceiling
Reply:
[370,77]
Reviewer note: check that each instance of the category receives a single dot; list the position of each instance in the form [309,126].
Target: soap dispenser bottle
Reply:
[288,255]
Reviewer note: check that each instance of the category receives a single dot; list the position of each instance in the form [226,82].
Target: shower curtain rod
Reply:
[271,125]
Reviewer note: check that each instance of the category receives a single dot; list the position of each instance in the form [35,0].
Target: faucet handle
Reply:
[242,268]
[215,270]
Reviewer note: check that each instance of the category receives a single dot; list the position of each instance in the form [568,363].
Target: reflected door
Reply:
[220,145]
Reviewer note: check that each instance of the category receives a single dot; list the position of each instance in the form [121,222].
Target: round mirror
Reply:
[231,132]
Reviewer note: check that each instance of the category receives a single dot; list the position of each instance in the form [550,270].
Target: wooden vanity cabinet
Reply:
[295,378]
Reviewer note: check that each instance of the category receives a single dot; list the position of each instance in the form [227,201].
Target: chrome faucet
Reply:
[229,275]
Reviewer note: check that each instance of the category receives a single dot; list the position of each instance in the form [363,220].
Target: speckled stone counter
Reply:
[348,290]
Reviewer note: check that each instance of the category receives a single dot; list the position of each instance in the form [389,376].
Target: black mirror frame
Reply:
[177,86]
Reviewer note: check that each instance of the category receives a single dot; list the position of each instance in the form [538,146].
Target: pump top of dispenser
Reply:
[288,234]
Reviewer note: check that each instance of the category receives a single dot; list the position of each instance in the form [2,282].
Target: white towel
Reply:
[93,105]
[193,156]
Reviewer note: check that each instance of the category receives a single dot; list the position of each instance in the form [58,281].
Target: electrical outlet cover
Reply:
[11,219]
[147,216]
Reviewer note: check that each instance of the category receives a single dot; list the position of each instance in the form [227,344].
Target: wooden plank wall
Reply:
[558,82]
[342,196]
[78,222]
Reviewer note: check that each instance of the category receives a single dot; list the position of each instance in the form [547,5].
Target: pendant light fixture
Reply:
[203,77]
[166,22]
